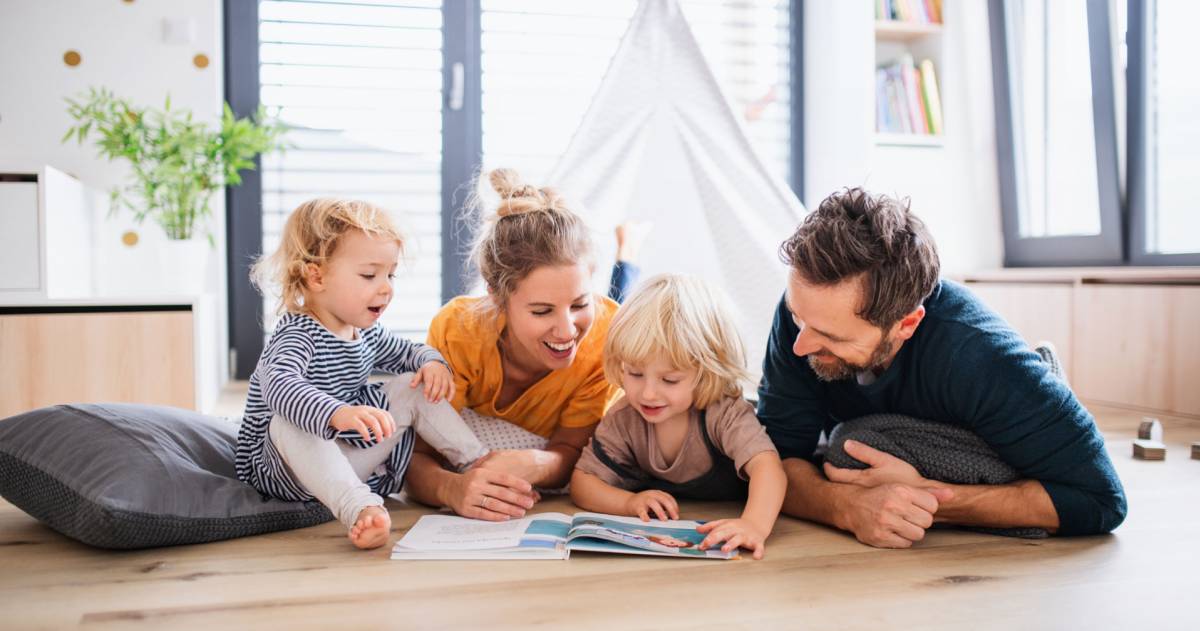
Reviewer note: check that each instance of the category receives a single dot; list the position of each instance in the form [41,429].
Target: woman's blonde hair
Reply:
[687,323]
[528,228]
[311,235]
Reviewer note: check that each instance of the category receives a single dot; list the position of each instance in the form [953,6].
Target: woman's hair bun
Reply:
[517,197]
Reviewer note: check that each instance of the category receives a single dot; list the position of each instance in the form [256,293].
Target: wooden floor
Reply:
[1147,575]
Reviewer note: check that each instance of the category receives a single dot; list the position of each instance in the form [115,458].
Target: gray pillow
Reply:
[136,476]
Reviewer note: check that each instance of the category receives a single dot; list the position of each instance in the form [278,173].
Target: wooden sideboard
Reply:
[154,351]
[1128,336]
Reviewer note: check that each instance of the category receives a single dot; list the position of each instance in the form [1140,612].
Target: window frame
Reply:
[1138,94]
[1106,248]
[243,203]
[462,151]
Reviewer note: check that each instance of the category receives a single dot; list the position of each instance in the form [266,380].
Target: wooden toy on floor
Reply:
[1149,445]
[1150,429]
[1149,450]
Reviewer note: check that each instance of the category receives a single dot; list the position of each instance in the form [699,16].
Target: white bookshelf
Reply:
[893,40]
[896,31]
[886,139]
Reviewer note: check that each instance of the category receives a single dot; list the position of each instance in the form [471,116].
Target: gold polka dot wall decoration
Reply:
[130,238]
[201,60]
[72,58]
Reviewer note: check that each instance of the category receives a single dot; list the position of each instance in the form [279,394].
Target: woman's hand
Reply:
[438,381]
[481,493]
[658,503]
[735,533]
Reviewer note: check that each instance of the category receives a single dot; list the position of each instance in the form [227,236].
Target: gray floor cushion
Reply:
[136,476]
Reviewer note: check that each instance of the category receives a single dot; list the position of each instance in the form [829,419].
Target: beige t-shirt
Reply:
[629,441]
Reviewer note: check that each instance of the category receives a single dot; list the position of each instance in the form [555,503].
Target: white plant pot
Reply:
[183,266]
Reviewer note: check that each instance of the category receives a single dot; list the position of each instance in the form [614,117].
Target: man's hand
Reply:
[890,515]
[439,383]
[883,468]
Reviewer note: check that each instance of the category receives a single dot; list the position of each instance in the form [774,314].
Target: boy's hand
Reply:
[735,533]
[373,424]
[439,383]
[658,503]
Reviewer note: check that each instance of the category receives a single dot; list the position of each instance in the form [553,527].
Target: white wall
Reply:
[954,187]
[123,49]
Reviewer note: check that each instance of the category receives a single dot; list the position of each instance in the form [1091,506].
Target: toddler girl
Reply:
[313,426]
[682,429]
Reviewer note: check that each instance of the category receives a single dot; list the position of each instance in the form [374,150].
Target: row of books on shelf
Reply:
[907,100]
[918,11]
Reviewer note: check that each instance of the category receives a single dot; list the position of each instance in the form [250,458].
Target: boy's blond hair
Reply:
[687,323]
[311,235]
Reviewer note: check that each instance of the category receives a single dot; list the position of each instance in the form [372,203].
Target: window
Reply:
[1164,99]
[401,102]
[541,63]
[360,83]
[1056,125]
[543,60]
[1068,75]
[1052,118]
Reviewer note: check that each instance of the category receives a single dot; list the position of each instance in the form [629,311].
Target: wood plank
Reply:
[1142,346]
[1087,274]
[49,359]
[813,577]
[1037,311]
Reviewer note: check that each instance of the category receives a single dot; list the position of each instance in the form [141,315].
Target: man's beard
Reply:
[840,369]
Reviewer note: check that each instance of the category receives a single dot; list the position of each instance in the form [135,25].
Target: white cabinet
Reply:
[45,235]
[19,235]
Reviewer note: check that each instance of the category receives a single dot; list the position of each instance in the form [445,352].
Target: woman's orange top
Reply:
[576,396]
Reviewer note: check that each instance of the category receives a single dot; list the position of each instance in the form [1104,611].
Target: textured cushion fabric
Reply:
[136,476]
[941,452]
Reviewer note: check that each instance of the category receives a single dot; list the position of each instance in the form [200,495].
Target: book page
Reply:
[451,532]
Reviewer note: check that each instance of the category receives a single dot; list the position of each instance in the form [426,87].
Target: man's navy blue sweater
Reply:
[963,366]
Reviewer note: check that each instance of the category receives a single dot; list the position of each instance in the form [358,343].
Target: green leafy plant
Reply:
[178,162]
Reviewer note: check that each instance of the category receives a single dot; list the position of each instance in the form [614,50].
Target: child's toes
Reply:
[372,528]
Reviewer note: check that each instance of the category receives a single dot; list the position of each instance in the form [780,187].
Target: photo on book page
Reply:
[668,538]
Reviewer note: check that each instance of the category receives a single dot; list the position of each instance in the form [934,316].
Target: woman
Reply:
[529,352]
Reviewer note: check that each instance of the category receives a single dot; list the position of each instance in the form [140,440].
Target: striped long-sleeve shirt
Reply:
[304,375]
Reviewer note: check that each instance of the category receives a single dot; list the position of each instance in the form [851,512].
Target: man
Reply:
[867,327]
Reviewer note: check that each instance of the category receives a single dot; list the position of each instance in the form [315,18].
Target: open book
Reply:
[551,536]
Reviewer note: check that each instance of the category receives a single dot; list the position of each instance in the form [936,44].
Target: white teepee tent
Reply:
[661,143]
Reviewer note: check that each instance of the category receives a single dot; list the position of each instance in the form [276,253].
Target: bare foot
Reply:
[372,528]
[630,236]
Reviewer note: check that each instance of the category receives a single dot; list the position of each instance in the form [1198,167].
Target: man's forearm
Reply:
[810,496]
[1020,504]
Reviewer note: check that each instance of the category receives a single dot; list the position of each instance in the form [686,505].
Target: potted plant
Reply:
[177,164]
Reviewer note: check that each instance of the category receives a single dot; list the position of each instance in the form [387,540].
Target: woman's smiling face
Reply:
[549,314]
